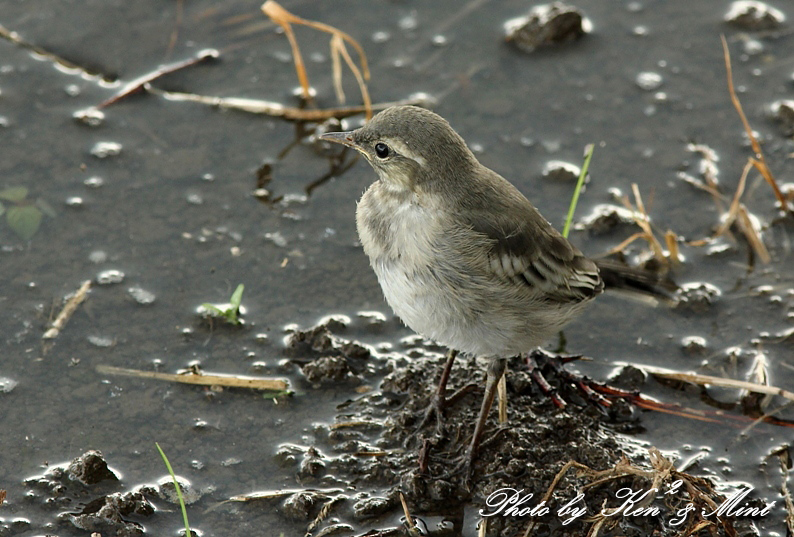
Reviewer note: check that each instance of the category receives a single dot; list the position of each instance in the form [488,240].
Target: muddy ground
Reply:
[163,205]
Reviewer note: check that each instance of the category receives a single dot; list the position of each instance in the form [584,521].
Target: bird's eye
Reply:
[382,150]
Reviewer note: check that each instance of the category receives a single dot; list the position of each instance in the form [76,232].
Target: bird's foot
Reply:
[437,406]
[462,471]
[539,361]
[463,467]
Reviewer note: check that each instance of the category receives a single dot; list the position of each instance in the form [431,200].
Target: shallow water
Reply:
[175,205]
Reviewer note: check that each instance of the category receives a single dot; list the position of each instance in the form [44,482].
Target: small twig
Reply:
[501,390]
[338,167]
[730,217]
[710,170]
[336,69]
[323,514]
[180,8]
[733,211]
[765,418]
[537,376]
[367,424]
[671,241]
[202,380]
[596,528]
[281,17]
[738,214]
[264,495]
[700,185]
[554,482]
[759,371]
[274,109]
[285,19]
[371,453]
[409,520]
[139,84]
[338,44]
[643,221]
[623,245]
[68,310]
[271,8]
[752,234]
[15,38]
[676,409]
[660,472]
[785,457]
[695,378]
[759,162]
[645,224]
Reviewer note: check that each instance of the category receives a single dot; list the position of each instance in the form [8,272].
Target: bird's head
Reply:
[409,148]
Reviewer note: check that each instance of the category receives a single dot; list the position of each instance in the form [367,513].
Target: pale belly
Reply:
[468,317]
[434,310]
[437,288]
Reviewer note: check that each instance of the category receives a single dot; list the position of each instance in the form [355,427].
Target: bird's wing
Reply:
[526,247]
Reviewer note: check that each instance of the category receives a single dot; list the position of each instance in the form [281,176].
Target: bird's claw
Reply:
[437,406]
[538,360]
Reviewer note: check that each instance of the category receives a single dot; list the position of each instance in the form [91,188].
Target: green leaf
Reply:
[24,220]
[237,297]
[14,193]
[188,533]
[212,309]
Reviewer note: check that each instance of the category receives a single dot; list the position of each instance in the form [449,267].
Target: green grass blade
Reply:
[237,296]
[178,490]
[588,153]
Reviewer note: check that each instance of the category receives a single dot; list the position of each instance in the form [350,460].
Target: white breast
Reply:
[401,238]
[399,235]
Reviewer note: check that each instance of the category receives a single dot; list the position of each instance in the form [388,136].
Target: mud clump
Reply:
[326,358]
[90,468]
[108,514]
[544,454]
[754,16]
[783,112]
[697,297]
[88,482]
[545,25]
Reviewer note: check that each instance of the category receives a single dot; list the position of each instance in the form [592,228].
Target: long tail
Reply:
[643,284]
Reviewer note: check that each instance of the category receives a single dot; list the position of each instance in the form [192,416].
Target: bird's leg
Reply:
[439,401]
[496,369]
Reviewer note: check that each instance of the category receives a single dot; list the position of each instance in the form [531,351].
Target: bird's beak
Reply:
[344,138]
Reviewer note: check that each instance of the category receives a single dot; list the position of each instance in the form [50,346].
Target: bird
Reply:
[462,256]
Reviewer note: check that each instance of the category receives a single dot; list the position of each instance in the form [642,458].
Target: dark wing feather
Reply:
[525,246]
